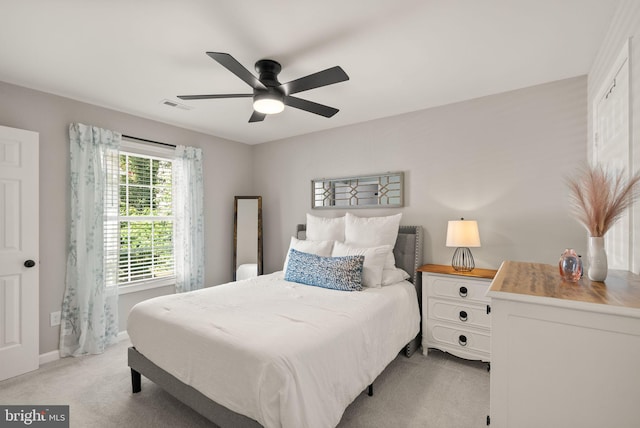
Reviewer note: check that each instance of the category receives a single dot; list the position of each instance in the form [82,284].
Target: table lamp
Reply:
[463,234]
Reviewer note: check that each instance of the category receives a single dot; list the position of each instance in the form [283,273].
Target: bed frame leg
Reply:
[370,390]
[136,381]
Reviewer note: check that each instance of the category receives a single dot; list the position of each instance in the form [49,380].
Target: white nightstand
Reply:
[455,311]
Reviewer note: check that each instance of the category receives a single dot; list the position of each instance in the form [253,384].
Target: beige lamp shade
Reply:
[463,233]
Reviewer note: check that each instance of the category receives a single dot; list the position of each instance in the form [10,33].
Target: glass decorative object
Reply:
[570,266]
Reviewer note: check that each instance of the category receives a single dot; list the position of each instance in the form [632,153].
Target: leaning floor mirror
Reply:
[247,237]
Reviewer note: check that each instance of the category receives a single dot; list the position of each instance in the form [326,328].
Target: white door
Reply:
[612,150]
[18,250]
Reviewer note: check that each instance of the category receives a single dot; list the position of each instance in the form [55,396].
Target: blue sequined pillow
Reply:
[338,273]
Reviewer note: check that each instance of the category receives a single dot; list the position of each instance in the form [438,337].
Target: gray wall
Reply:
[624,25]
[501,160]
[227,170]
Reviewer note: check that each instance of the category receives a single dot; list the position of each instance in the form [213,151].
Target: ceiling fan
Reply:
[269,95]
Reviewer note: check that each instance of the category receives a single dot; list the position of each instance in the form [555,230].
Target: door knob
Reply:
[29,263]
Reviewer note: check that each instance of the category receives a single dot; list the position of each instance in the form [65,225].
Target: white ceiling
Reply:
[400,55]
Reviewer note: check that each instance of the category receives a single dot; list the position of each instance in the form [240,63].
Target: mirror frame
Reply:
[323,189]
[235,233]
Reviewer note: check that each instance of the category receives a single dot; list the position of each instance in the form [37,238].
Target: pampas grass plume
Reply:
[599,198]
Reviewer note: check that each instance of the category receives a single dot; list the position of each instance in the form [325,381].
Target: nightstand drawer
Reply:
[451,338]
[458,313]
[472,290]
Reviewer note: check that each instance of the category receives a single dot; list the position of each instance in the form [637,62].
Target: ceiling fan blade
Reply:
[209,97]
[316,80]
[257,117]
[236,68]
[310,106]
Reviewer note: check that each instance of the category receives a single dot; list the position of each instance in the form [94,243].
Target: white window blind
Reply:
[139,230]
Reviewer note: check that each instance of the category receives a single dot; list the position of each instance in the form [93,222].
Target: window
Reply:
[143,230]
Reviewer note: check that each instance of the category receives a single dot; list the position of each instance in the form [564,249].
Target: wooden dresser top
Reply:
[621,288]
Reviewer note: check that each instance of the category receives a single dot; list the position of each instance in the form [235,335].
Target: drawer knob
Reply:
[462,340]
[463,316]
[463,291]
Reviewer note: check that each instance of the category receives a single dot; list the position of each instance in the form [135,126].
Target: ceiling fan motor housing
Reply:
[268,70]
[270,94]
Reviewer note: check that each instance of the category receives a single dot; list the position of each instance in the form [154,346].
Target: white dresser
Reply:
[564,354]
[455,311]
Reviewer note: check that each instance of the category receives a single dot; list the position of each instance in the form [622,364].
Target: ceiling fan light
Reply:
[267,105]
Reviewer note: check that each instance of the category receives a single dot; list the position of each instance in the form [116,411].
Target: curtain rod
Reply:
[149,141]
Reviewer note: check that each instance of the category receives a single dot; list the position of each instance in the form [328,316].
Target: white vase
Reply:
[597,258]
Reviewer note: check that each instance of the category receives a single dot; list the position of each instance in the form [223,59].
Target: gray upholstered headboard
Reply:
[408,254]
[407,251]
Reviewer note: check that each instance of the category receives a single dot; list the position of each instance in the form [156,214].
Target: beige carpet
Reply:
[439,391]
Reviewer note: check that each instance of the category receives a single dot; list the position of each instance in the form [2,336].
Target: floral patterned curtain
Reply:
[189,214]
[90,306]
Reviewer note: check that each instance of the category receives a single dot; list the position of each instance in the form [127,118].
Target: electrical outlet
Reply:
[54,318]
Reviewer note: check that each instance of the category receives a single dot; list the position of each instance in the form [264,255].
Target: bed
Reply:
[276,363]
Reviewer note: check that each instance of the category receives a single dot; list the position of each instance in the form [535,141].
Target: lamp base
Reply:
[462,260]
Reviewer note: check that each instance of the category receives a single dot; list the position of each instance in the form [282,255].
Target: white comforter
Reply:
[284,354]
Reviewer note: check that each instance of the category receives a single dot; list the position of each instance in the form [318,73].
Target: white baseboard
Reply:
[49,357]
[55,355]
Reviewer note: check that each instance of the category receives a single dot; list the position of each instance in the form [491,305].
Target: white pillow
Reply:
[373,231]
[393,276]
[325,229]
[374,258]
[319,248]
